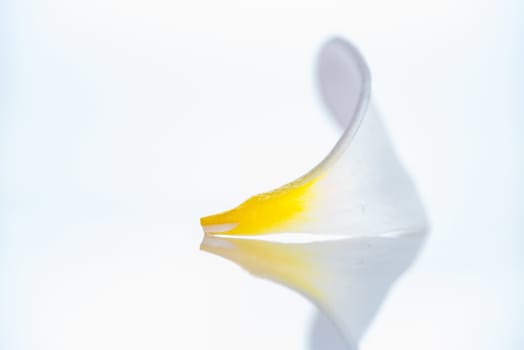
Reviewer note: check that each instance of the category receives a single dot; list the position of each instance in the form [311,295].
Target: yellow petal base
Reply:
[279,210]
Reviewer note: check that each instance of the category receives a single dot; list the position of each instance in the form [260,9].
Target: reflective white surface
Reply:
[123,122]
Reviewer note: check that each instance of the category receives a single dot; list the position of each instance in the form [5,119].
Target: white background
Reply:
[123,122]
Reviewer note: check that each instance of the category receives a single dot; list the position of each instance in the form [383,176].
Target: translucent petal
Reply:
[359,194]
[359,189]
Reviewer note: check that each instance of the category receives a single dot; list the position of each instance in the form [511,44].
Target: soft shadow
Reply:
[324,335]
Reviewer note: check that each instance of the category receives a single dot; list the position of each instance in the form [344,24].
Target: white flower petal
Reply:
[359,189]
[360,194]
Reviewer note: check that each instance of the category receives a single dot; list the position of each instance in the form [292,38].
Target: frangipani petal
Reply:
[359,189]
[359,193]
